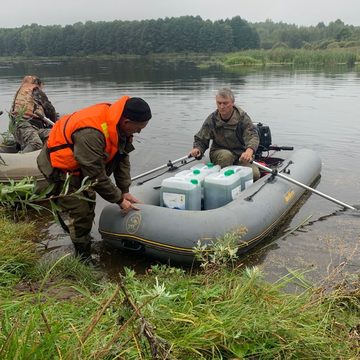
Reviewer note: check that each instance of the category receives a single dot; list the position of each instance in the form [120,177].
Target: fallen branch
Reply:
[98,315]
[159,348]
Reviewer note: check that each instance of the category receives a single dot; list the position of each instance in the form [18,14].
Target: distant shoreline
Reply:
[279,56]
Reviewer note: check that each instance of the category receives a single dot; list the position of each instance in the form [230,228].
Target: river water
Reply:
[317,109]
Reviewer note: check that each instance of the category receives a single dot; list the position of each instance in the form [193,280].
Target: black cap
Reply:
[137,109]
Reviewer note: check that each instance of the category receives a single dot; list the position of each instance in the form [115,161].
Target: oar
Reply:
[48,121]
[275,172]
[169,164]
[44,118]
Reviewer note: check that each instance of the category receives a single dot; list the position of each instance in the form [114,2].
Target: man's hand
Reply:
[131,198]
[196,153]
[128,203]
[247,155]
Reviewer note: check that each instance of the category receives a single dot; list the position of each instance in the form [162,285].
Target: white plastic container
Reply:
[245,172]
[180,193]
[193,174]
[207,168]
[221,188]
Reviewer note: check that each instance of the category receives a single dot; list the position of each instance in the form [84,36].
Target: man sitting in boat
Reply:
[93,142]
[234,136]
[28,110]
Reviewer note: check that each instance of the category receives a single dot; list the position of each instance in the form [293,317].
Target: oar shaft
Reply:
[159,168]
[47,120]
[304,186]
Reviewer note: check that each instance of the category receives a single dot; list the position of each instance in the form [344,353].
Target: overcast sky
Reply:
[16,13]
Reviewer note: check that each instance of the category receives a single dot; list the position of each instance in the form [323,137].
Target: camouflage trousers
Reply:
[225,157]
[77,214]
[29,137]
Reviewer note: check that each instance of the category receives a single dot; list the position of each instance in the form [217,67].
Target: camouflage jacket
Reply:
[89,147]
[42,100]
[33,104]
[237,134]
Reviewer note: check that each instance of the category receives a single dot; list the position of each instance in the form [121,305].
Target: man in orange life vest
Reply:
[27,113]
[94,142]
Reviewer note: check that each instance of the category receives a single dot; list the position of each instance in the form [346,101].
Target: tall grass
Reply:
[297,57]
[17,255]
[61,310]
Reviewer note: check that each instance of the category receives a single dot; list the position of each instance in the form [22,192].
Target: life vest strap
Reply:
[59,147]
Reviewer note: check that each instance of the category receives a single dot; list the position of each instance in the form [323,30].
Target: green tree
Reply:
[244,37]
[176,34]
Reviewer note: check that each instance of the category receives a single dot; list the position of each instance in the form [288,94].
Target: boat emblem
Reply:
[289,195]
[133,223]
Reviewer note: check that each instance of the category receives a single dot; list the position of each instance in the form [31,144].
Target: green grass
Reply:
[296,57]
[17,254]
[62,309]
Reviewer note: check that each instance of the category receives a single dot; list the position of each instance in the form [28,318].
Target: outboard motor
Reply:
[265,139]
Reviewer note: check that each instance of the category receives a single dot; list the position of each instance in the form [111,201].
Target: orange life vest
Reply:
[103,117]
[24,103]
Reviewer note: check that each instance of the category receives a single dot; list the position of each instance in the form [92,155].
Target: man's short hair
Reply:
[226,93]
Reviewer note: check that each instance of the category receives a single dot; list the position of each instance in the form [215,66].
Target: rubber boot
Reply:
[83,251]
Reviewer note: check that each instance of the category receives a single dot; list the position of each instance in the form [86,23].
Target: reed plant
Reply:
[8,137]
[296,57]
[26,194]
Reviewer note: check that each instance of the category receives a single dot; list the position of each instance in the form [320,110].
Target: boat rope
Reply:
[269,180]
[285,169]
[2,161]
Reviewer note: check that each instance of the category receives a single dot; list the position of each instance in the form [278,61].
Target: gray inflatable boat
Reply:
[15,166]
[170,234]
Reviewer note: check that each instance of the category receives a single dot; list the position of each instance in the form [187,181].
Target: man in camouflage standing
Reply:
[234,136]
[28,111]
[93,142]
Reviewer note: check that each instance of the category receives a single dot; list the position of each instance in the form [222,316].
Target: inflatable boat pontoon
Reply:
[170,234]
[16,166]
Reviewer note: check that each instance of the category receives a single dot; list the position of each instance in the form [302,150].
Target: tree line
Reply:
[321,36]
[169,35]
[182,34]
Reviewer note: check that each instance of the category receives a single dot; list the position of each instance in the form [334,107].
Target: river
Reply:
[316,108]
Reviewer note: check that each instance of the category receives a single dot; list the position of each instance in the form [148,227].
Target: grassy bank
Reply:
[296,57]
[64,310]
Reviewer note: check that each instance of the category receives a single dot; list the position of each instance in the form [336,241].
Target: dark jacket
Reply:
[237,134]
